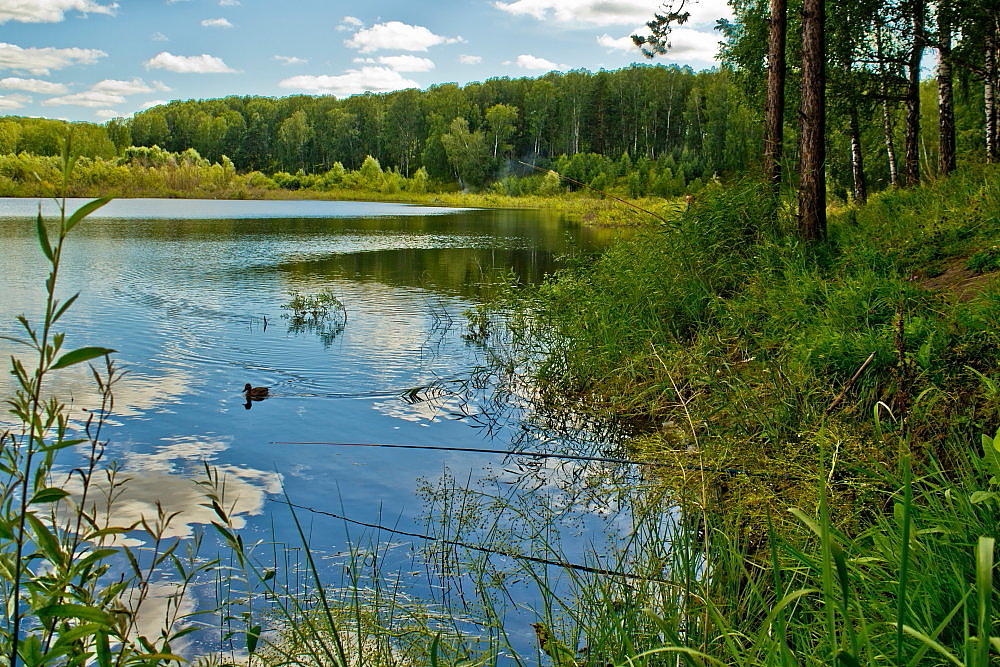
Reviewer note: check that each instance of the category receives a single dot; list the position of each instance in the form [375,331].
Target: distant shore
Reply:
[576,207]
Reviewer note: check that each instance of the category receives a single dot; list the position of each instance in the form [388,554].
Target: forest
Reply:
[647,130]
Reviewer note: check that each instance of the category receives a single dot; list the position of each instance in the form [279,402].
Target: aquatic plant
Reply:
[321,313]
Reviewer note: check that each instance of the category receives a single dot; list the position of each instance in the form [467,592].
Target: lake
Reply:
[190,294]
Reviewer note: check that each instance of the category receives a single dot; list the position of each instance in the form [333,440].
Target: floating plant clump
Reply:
[321,313]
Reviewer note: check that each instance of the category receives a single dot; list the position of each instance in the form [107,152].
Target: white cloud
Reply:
[686,45]
[291,60]
[617,44]
[401,63]
[151,104]
[216,23]
[49,11]
[89,98]
[106,114]
[44,60]
[610,12]
[117,87]
[10,102]
[351,82]
[33,86]
[229,3]
[203,64]
[159,37]
[396,36]
[525,61]
[106,93]
[349,23]
[601,12]
[470,60]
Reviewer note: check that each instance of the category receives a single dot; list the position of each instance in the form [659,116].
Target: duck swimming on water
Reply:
[255,393]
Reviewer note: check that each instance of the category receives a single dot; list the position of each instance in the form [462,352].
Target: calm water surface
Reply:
[181,290]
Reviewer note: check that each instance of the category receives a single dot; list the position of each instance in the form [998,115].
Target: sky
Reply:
[99,59]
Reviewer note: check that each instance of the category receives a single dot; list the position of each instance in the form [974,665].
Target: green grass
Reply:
[726,343]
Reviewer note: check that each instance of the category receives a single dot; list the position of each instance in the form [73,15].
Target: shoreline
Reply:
[576,207]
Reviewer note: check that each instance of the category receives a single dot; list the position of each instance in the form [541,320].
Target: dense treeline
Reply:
[45,137]
[699,121]
[639,131]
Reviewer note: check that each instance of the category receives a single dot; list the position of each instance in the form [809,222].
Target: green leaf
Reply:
[981,496]
[80,611]
[104,532]
[785,601]
[253,636]
[80,355]
[92,558]
[49,495]
[45,540]
[84,211]
[435,647]
[103,650]
[75,634]
[64,307]
[984,589]
[916,634]
[43,236]
[30,650]
[63,444]
[807,520]
[159,657]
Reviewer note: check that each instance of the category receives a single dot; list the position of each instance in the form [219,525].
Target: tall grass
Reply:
[67,598]
[866,366]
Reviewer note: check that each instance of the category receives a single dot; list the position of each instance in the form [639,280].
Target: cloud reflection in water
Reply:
[168,479]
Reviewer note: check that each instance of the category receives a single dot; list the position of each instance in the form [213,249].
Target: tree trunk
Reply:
[887,125]
[912,158]
[775,106]
[946,103]
[812,115]
[857,159]
[990,94]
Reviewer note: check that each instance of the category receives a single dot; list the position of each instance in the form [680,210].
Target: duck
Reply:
[255,393]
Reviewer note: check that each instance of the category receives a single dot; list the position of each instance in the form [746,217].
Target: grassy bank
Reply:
[851,382]
[724,321]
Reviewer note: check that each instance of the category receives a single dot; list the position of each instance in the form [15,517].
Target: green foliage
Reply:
[551,185]
[725,306]
[468,153]
[985,261]
[848,384]
[642,110]
[58,549]
[370,174]
[419,182]
[317,306]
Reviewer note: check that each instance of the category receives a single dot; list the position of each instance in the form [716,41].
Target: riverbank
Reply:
[727,323]
[576,207]
[153,173]
[822,415]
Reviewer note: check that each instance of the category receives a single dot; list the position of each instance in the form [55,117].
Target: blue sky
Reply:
[97,59]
